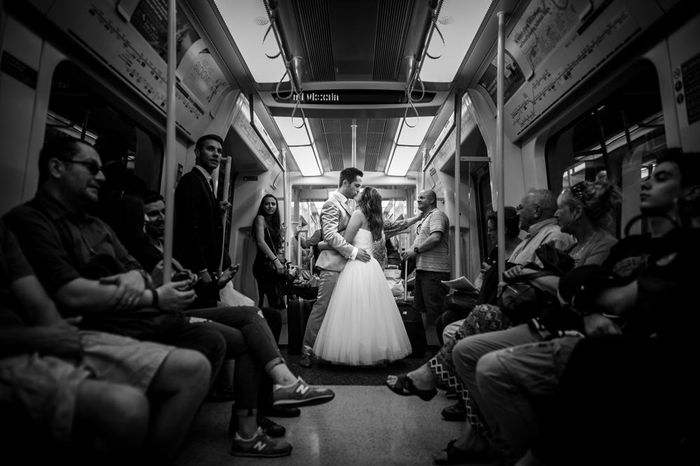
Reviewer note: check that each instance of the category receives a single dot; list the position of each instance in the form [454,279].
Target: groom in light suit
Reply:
[335,216]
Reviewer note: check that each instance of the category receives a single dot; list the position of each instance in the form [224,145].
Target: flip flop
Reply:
[403,386]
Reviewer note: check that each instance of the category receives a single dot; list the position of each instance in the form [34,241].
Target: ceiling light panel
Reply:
[247,23]
[414,134]
[459,20]
[305,157]
[401,160]
[292,135]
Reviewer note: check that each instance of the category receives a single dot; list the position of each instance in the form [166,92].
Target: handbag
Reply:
[269,264]
[521,300]
[554,260]
[231,297]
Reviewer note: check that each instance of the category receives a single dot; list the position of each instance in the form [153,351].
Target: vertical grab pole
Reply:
[170,158]
[458,182]
[353,160]
[227,189]
[287,206]
[500,218]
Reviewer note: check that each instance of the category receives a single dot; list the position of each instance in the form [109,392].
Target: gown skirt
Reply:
[362,325]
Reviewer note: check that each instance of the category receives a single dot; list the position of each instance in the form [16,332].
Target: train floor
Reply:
[366,424]
[363,425]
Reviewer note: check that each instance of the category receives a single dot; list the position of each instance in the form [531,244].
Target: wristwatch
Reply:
[415,249]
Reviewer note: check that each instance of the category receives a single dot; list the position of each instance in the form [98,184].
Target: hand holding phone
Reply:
[228,274]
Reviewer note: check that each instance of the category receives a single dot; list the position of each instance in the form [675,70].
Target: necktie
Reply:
[211,185]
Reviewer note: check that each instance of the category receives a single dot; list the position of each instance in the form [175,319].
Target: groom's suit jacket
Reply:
[335,216]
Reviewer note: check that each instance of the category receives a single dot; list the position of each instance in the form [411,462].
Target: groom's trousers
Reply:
[326,284]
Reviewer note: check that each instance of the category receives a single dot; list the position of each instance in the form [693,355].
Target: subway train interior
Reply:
[407,91]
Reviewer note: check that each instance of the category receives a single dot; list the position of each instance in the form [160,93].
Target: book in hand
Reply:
[461,284]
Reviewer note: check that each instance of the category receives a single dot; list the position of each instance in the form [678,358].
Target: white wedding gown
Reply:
[362,325]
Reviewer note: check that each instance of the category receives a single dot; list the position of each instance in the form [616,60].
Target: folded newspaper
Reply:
[461,284]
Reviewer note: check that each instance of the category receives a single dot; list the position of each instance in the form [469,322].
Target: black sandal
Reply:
[404,387]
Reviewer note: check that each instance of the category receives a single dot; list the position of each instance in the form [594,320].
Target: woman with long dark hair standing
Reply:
[268,268]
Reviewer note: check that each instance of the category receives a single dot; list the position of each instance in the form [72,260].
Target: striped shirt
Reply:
[546,231]
[436,259]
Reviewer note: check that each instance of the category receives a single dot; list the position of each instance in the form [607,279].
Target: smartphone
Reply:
[181,276]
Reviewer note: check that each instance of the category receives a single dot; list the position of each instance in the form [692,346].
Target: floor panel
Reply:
[363,425]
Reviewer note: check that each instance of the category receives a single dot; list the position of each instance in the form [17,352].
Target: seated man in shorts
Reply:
[97,397]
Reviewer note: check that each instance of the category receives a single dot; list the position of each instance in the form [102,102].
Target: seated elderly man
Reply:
[85,267]
[96,396]
[87,270]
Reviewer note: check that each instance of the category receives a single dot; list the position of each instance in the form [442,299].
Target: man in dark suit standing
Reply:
[198,232]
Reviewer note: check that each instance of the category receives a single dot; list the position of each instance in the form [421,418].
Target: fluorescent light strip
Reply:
[305,157]
[401,160]
[293,135]
[413,136]
[407,140]
[459,20]
[443,134]
[244,105]
[300,145]
[247,22]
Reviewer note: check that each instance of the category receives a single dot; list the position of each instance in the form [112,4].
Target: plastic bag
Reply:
[230,297]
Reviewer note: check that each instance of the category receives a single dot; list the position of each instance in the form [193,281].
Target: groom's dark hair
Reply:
[349,174]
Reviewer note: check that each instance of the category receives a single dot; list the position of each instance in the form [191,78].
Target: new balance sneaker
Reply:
[260,446]
[300,394]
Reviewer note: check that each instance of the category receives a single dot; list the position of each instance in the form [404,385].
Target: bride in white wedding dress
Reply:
[363,325]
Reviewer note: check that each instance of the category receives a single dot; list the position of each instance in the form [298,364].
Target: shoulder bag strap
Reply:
[272,243]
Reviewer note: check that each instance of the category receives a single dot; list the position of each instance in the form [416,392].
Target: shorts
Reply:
[46,387]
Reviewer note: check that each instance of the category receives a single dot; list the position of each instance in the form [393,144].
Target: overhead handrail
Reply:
[442,38]
[296,86]
[415,76]
[272,57]
[414,73]
[294,78]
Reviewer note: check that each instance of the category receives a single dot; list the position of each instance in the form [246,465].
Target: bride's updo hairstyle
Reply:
[370,205]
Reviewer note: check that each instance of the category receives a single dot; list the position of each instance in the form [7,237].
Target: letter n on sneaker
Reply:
[301,394]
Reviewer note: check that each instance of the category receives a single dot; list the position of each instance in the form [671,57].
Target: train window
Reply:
[79,108]
[617,139]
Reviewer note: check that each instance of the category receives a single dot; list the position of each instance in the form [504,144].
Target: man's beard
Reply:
[156,232]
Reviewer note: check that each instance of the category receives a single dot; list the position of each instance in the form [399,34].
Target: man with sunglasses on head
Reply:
[86,269]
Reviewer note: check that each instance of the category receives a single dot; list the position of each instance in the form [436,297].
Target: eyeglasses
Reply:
[92,166]
[579,191]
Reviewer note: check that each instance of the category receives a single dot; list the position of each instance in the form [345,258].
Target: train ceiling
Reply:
[364,51]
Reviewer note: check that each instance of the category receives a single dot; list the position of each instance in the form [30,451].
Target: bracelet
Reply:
[154,303]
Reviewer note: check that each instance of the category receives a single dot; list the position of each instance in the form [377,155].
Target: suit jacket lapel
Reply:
[205,184]
[342,204]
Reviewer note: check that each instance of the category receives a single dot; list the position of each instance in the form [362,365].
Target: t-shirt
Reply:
[63,246]
[436,259]
[546,231]
[13,266]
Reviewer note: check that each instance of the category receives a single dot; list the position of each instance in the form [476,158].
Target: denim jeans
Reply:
[249,341]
